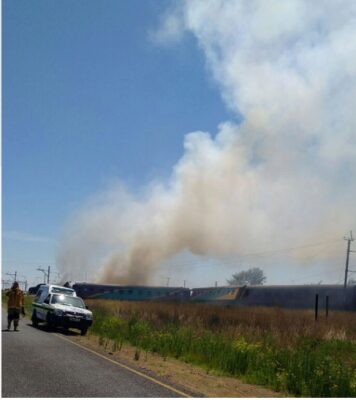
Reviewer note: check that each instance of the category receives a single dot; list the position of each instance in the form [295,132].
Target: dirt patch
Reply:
[192,379]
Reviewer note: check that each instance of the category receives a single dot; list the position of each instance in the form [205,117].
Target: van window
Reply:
[47,299]
[62,290]
[67,300]
[38,295]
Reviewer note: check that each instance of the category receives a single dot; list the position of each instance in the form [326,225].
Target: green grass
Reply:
[304,366]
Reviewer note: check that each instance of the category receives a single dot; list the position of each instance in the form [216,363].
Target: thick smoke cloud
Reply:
[284,174]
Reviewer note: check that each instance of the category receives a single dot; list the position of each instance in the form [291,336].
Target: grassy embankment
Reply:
[285,350]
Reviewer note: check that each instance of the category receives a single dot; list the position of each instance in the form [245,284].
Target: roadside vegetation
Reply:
[285,350]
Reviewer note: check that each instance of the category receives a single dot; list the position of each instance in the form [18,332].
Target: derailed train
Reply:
[292,296]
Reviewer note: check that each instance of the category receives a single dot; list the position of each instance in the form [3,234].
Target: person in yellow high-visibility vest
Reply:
[15,306]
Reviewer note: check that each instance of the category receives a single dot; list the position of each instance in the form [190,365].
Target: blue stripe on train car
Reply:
[135,293]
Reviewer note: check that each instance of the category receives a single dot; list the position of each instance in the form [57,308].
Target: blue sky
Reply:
[88,98]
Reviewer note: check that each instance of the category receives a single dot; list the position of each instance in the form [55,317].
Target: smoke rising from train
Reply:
[283,172]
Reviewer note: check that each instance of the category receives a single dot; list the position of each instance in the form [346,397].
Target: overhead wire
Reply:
[288,249]
[199,259]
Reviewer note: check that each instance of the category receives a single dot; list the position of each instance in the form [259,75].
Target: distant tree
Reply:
[351,281]
[252,276]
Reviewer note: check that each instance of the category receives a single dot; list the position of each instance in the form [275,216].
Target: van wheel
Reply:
[34,319]
[50,324]
[83,331]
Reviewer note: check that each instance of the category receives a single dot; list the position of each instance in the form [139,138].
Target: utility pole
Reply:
[168,278]
[44,273]
[349,240]
[48,274]
[14,275]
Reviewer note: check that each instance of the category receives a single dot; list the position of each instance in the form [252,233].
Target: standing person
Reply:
[15,305]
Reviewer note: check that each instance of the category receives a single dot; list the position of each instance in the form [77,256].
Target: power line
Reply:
[316,253]
[209,259]
[319,274]
[288,249]
[14,275]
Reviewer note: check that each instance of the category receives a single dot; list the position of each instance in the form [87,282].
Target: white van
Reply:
[44,290]
[60,306]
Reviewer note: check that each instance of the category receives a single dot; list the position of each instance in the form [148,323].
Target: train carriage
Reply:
[130,292]
[299,296]
[288,296]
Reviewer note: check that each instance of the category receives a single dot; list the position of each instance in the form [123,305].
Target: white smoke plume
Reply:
[283,174]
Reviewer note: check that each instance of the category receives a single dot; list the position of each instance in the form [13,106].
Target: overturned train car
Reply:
[291,296]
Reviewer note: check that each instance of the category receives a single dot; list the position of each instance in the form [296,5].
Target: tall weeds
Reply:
[282,349]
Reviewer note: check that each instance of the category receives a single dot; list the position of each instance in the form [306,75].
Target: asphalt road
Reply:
[37,363]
